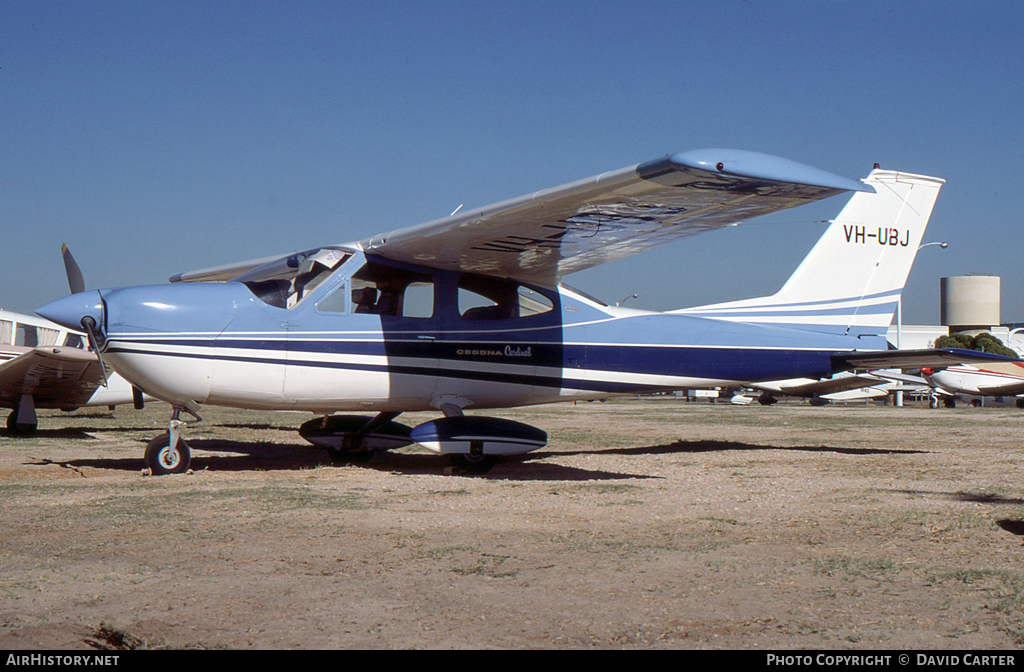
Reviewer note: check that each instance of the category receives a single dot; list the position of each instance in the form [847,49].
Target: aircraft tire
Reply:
[162,460]
[469,464]
[20,428]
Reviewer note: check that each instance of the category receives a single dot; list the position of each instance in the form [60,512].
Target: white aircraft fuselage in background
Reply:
[997,379]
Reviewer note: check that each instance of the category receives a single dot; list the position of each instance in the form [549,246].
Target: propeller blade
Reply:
[75,280]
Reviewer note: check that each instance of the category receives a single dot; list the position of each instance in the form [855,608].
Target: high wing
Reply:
[911,359]
[542,236]
[58,377]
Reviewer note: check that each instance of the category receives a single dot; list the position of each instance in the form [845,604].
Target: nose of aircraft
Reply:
[69,311]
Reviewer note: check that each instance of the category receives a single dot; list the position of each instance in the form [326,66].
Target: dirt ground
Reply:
[645,523]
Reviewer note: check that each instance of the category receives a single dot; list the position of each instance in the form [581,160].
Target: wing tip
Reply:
[749,165]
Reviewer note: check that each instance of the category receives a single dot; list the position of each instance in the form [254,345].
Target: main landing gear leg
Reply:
[168,453]
[353,449]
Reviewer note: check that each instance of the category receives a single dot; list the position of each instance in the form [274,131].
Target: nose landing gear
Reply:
[168,453]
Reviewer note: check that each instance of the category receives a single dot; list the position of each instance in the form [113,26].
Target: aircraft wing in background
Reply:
[817,388]
[57,377]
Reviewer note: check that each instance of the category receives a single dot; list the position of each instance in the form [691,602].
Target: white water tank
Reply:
[969,301]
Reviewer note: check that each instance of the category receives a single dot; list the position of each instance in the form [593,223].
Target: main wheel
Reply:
[20,428]
[161,458]
[470,464]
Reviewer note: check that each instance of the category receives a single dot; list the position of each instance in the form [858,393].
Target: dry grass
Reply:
[644,523]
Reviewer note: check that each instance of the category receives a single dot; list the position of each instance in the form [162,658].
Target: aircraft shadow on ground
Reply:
[73,433]
[222,455]
[684,447]
[1011,525]
[299,456]
[235,456]
[961,496]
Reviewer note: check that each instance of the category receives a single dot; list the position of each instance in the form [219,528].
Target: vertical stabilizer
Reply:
[851,280]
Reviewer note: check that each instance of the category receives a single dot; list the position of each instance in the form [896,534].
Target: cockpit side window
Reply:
[26,336]
[384,290]
[6,332]
[483,297]
[285,282]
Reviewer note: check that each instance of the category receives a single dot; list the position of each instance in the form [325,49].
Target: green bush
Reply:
[985,342]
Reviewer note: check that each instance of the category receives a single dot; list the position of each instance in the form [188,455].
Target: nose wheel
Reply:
[163,458]
[168,453]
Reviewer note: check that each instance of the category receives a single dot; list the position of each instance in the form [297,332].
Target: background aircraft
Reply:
[843,386]
[45,365]
[469,312]
[998,379]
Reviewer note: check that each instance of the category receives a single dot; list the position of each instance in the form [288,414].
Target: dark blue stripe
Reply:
[710,363]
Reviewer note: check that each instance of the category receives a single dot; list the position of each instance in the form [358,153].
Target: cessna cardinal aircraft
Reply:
[43,365]
[468,312]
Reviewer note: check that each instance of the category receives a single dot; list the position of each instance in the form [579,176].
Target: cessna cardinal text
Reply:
[468,312]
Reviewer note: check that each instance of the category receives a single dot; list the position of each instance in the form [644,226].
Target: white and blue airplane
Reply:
[469,312]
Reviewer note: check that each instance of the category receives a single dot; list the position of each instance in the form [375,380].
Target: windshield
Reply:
[285,282]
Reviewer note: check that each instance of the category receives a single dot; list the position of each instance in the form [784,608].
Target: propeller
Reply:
[75,280]
[92,331]
[77,284]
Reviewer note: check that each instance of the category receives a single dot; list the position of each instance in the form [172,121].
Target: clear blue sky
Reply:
[161,137]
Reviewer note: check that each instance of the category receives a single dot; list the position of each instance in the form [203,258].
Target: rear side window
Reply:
[487,298]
